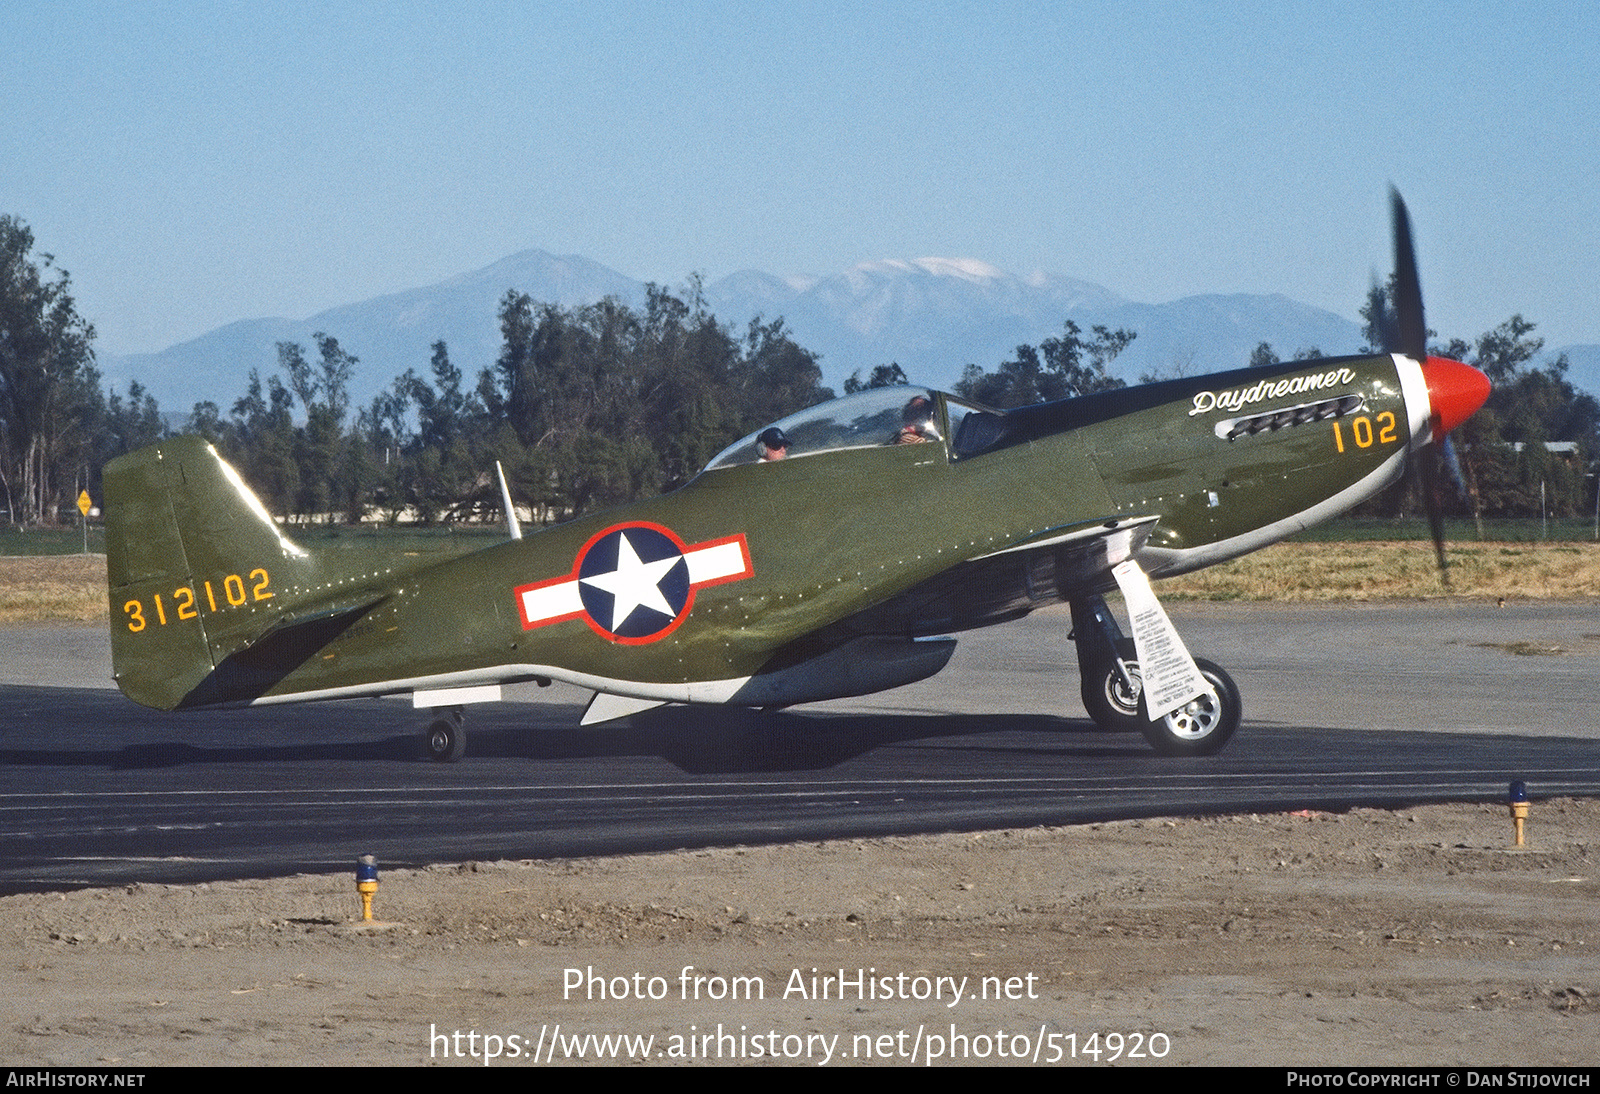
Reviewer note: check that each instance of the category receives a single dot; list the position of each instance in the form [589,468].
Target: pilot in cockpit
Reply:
[918,419]
[773,444]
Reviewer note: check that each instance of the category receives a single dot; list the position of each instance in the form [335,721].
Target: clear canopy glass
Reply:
[866,419]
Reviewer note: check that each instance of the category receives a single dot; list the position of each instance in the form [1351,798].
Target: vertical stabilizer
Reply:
[195,564]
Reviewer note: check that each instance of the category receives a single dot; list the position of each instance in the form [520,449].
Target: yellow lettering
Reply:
[211,597]
[185,601]
[135,612]
[1338,437]
[1361,429]
[260,589]
[1387,434]
[230,584]
[161,613]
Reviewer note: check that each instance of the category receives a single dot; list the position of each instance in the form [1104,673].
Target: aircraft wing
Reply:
[1046,567]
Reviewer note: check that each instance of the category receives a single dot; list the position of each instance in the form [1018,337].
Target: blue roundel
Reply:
[634,582]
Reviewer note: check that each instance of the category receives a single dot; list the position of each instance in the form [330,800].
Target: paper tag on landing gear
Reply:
[1171,677]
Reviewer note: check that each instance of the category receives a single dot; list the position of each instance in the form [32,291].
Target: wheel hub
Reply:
[1124,694]
[1197,717]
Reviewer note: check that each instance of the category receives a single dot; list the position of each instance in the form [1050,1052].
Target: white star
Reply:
[634,583]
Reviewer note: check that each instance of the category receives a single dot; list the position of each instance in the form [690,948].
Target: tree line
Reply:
[585,408]
[590,406]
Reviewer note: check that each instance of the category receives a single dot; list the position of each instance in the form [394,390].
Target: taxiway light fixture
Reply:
[367,884]
[1518,801]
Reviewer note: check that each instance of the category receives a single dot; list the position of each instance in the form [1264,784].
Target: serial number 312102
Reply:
[234,592]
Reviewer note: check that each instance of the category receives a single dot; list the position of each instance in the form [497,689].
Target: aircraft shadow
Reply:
[98,729]
[708,740]
[59,727]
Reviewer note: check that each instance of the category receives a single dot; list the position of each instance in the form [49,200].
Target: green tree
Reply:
[1501,354]
[688,366]
[330,466]
[1063,367]
[260,441]
[586,407]
[608,403]
[775,377]
[383,430]
[132,424]
[205,420]
[1264,355]
[890,375]
[447,456]
[1502,451]
[49,388]
[569,386]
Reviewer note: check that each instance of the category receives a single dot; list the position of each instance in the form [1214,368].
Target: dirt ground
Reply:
[1418,937]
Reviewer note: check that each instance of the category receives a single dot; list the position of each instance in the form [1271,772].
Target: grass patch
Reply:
[60,588]
[51,541]
[1456,530]
[1391,571]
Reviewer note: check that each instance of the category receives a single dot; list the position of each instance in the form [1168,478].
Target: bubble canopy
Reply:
[867,419]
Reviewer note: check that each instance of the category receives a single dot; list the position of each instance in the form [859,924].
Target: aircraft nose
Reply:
[1455,391]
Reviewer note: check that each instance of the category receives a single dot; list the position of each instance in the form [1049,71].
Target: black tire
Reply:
[1201,727]
[1106,697]
[445,741]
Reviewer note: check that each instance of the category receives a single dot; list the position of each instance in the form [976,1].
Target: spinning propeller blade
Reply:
[1411,330]
[1455,390]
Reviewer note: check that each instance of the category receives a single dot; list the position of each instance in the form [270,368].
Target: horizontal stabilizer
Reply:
[251,671]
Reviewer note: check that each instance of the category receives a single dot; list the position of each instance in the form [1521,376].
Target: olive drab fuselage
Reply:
[752,566]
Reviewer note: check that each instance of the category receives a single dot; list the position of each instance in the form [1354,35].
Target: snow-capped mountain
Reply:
[933,316]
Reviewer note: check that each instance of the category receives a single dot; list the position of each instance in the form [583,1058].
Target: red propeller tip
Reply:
[1455,392]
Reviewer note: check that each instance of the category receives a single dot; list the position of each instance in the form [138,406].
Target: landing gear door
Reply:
[1171,677]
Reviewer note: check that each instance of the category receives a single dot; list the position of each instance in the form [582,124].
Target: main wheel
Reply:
[445,741]
[1201,726]
[1106,696]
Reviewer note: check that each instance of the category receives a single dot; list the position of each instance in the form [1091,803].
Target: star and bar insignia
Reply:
[634,583]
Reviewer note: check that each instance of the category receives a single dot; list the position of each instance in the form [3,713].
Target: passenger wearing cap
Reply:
[772,444]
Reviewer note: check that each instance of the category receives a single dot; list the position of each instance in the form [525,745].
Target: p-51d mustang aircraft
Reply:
[829,555]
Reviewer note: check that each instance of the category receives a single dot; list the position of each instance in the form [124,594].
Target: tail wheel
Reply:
[1201,726]
[445,741]
[1112,704]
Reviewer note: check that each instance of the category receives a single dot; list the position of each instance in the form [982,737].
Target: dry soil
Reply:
[1419,937]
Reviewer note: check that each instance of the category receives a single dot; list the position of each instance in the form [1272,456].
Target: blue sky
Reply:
[194,164]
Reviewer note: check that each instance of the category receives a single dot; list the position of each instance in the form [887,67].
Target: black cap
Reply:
[773,437]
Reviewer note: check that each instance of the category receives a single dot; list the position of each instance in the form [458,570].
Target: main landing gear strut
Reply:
[1113,689]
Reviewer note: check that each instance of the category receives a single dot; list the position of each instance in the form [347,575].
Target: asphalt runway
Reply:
[1344,705]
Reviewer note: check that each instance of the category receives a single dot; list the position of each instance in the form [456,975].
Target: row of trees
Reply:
[1062,367]
[585,407]
[57,425]
[1529,450]
[591,406]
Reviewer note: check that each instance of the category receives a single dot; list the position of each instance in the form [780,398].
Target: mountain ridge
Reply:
[933,316]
